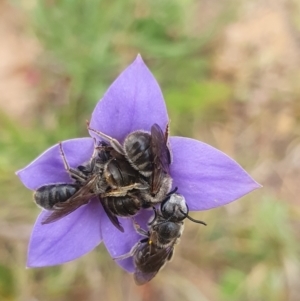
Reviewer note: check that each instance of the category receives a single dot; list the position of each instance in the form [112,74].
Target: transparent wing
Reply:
[151,263]
[80,198]
[112,217]
[161,157]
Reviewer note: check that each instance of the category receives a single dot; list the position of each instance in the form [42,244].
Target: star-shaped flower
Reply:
[205,176]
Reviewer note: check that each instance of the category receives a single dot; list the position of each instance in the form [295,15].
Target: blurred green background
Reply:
[229,71]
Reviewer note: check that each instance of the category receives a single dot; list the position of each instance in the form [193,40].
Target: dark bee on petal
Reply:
[122,198]
[64,198]
[149,154]
[164,231]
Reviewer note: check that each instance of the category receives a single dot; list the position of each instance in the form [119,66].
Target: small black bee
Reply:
[164,231]
[64,198]
[107,176]
[123,196]
[149,154]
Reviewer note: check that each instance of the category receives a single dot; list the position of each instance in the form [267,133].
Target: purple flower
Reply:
[206,177]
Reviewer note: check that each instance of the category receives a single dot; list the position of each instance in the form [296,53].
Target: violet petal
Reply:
[118,243]
[133,102]
[66,239]
[49,168]
[205,176]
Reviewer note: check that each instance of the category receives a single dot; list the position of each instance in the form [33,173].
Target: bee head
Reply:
[174,208]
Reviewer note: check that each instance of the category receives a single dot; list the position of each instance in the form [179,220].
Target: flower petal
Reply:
[118,243]
[49,167]
[67,238]
[133,102]
[205,176]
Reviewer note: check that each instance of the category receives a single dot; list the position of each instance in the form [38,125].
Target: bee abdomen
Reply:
[122,206]
[120,173]
[138,152]
[49,195]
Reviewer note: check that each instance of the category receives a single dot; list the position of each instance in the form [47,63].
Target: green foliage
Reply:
[231,283]
[87,41]
[257,269]
[198,97]
[6,282]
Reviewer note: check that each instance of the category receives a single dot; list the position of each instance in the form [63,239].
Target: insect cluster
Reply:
[126,178]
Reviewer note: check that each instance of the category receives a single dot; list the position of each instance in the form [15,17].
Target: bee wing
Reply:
[161,156]
[141,278]
[80,198]
[112,217]
[151,264]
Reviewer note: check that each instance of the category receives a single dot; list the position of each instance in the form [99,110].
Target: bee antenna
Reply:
[172,191]
[169,194]
[192,219]
[154,218]
[196,221]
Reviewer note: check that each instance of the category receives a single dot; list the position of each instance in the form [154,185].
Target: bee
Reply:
[107,176]
[164,231]
[149,154]
[64,198]
[125,184]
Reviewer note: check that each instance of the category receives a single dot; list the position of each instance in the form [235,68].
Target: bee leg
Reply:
[138,228]
[113,142]
[130,253]
[74,173]
[167,131]
[122,191]
[95,148]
